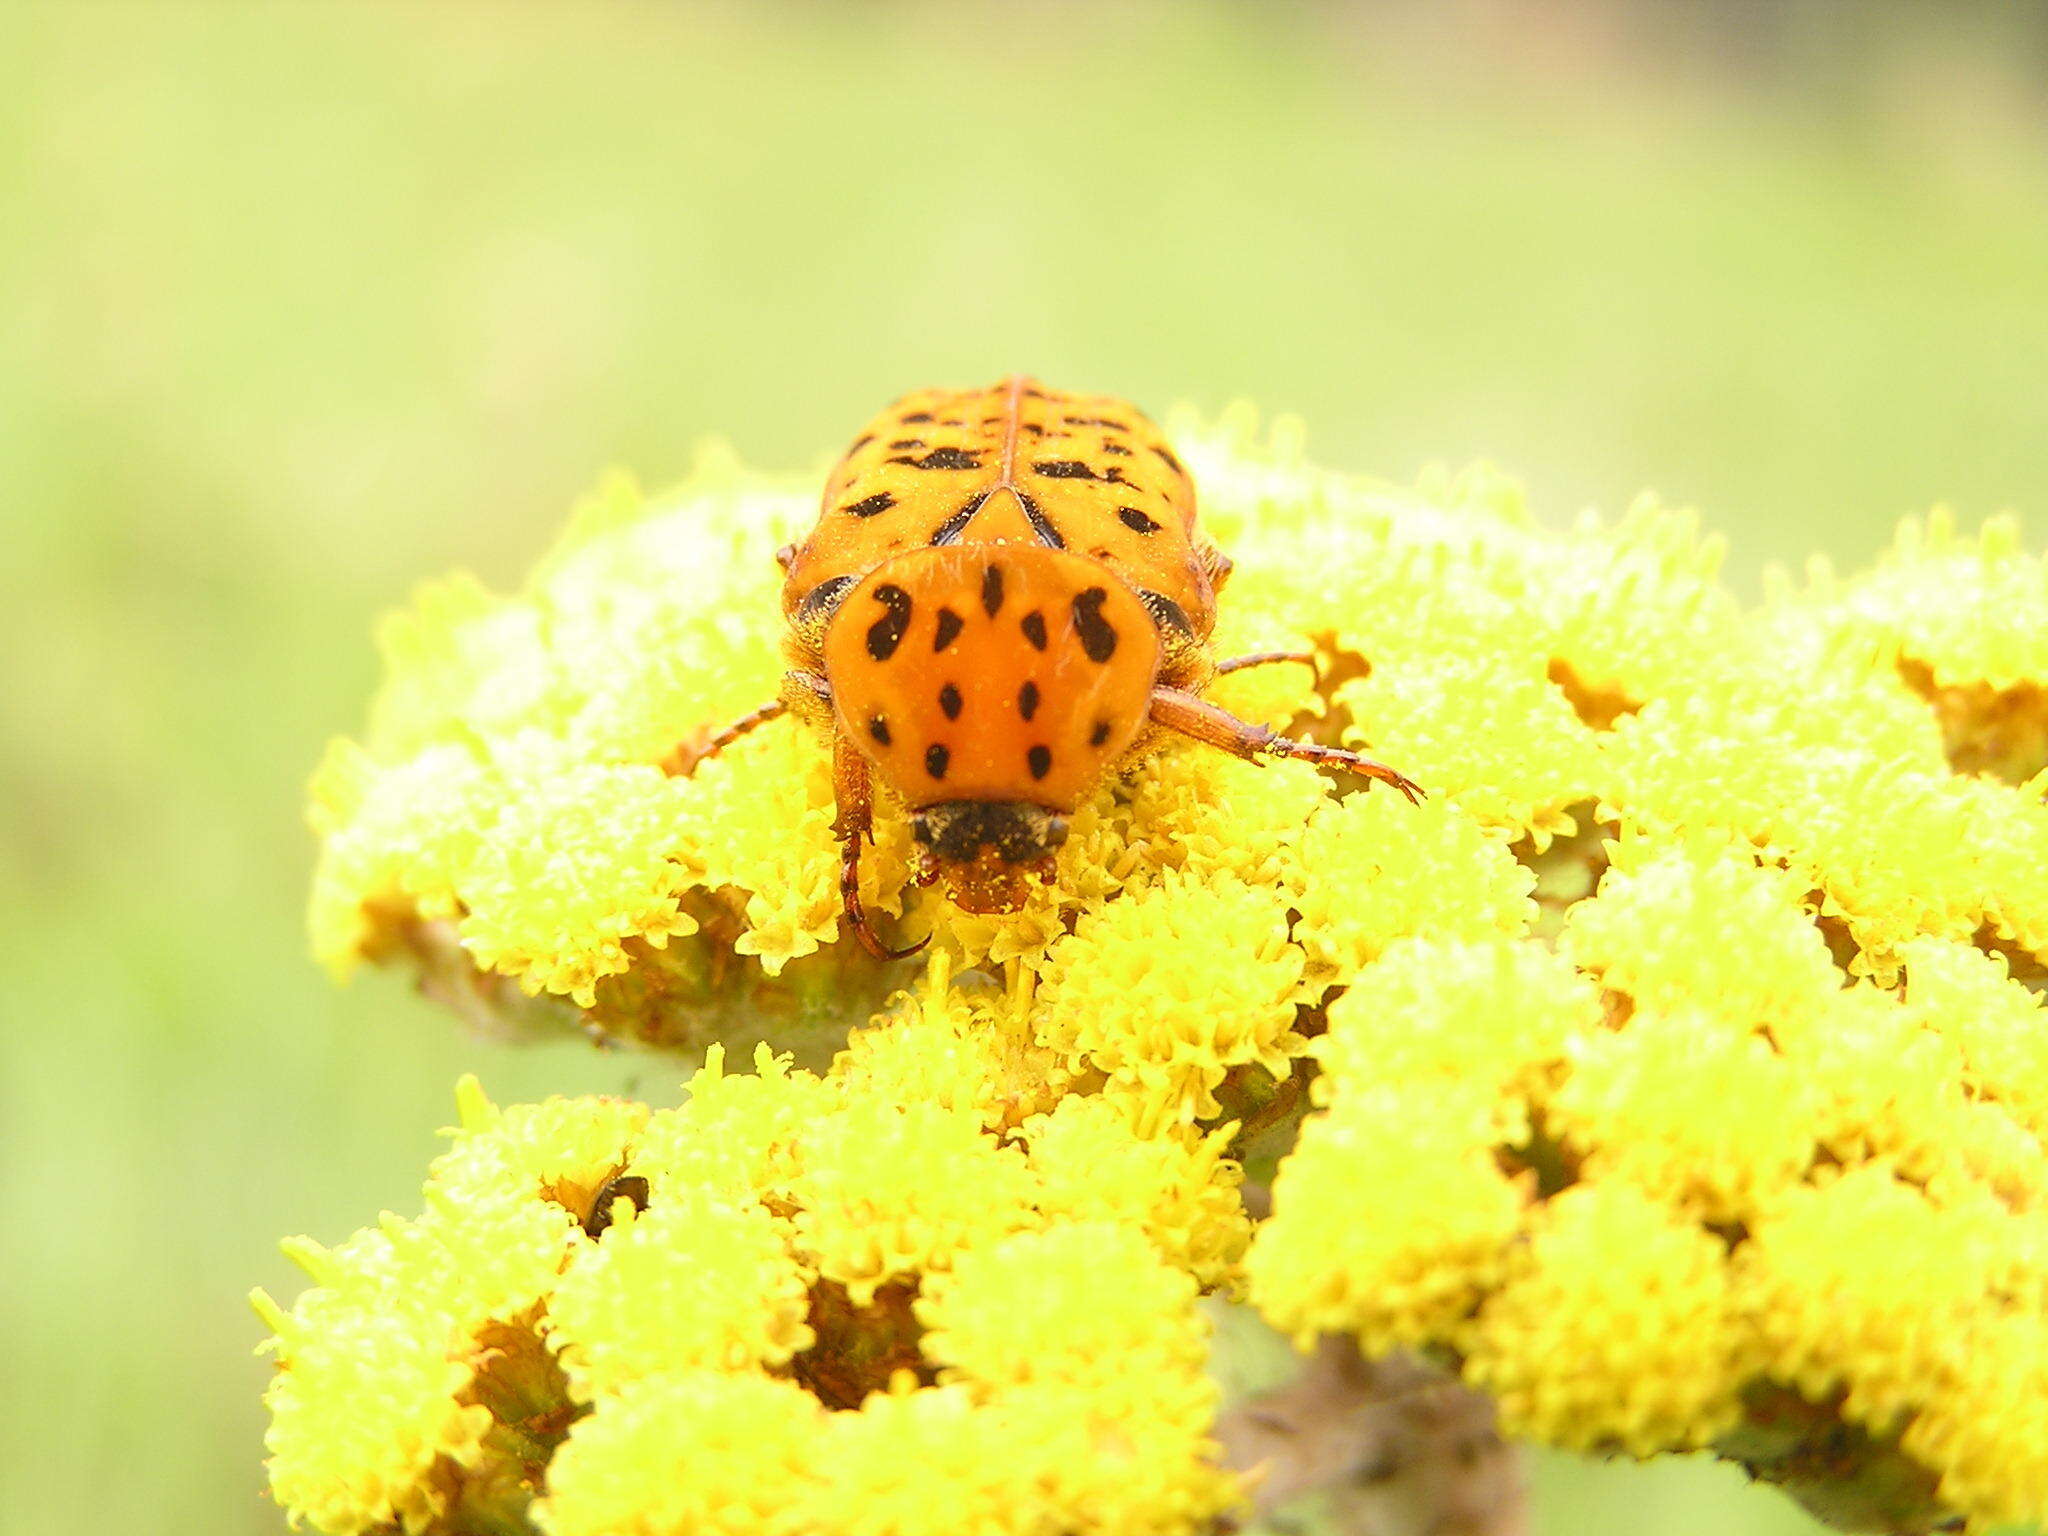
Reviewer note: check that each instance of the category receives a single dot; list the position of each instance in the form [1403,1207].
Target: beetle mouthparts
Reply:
[1012,831]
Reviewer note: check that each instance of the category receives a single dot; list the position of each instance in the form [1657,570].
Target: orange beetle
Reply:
[1004,596]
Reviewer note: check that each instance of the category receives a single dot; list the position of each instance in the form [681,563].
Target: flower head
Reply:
[1690,1029]
[746,1340]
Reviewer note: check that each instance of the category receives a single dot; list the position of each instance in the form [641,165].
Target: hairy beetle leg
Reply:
[1178,710]
[681,760]
[1265,658]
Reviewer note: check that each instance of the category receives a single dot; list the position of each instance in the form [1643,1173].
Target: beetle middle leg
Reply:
[1263,659]
[799,690]
[1178,710]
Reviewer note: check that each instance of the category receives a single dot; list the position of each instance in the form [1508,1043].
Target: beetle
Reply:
[1006,594]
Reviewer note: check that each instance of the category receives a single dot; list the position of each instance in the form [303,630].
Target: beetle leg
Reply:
[741,726]
[1178,710]
[682,759]
[855,825]
[799,690]
[1264,658]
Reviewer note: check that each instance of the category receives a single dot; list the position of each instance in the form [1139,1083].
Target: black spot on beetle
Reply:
[950,625]
[950,530]
[1034,429]
[1064,469]
[1027,700]
[1040,523]
[917,416]
[908,442]
[821,600]
[1171,462]
[1116,448]
[935,759]
[1095,421]
[1033,626]
[991,589]
[1100,734]
[869,506]
[1040,760]
[949,701]
[886,633]
[860,442]
[879,729]
[1115,475]
[939,458]
[1098,635]
[1166,613]
[1137,521]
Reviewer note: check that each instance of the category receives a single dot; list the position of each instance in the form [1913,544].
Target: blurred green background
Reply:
[302,304]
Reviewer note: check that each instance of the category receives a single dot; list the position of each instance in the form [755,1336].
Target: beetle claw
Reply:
[872,942]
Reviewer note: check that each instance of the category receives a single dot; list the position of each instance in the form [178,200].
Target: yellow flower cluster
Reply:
[788,1305]
[1683,1050]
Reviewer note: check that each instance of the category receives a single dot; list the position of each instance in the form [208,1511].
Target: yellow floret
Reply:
[1988,1430]
[1703,1113]
[1965,621]
[1088,1305]
[396,837]
[561,1150]
[1995,1022]
[1841,781]
[373,1400]
[1391,1220]
[1218,817]
[1490,731]
[695,1282]
[582,858]
[1166,1034]
[1633,608]
[1176,1187]
[695,1454]
[963,1045]
[933,1462]
[891,1190]
[361,1415]
[1865,1283]
[1122,1463]
[737,1133]
[1375,869]
[1891,1089]
[760,815]
[1490,1019]
[1037,1461]
[1616,1327]
[1667,917]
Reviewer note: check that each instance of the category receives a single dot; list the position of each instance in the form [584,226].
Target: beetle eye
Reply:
[1055,831]
[921,829]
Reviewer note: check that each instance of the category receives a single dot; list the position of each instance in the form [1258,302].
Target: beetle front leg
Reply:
[682,759]
[1178,710]
[800,690]
[854,825]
